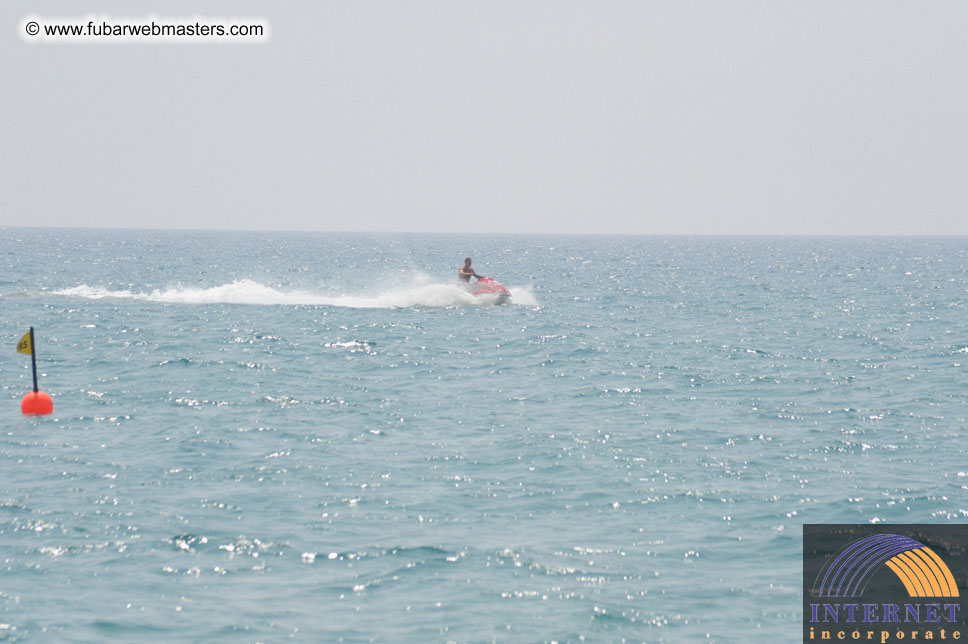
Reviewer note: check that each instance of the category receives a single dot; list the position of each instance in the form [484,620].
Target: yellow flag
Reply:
[24,345]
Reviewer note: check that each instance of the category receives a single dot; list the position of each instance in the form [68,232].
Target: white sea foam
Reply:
[246,291]
[523,295]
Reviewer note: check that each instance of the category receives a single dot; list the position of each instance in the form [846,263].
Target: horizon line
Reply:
[454,232]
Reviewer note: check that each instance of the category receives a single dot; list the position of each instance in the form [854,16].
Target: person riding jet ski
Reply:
[466,272]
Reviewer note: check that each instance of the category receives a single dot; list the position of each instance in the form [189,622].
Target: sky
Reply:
[690,117]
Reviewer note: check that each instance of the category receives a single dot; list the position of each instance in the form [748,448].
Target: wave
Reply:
[246,291]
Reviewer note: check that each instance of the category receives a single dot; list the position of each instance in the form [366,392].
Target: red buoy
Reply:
[37,403]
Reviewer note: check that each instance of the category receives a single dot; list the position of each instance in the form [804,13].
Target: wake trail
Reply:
[247,291]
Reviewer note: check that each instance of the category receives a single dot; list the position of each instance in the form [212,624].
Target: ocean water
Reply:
[265,437]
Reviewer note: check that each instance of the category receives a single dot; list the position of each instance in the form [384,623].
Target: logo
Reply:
[884,583]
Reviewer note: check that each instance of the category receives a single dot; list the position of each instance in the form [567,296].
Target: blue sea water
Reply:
[264,437]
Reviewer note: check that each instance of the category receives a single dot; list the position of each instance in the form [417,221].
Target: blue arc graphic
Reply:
[847,574]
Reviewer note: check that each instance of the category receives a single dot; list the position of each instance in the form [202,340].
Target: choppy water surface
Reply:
[319,437]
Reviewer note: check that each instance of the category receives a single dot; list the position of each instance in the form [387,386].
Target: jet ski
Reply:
[489,286]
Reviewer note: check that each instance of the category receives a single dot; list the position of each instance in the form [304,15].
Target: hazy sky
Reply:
[695,117]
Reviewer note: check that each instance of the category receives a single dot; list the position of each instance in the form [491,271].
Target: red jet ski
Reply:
[489,286]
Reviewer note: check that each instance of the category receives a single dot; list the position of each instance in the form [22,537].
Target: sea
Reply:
[320,437]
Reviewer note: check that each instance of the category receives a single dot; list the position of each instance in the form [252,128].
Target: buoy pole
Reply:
[33,358]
